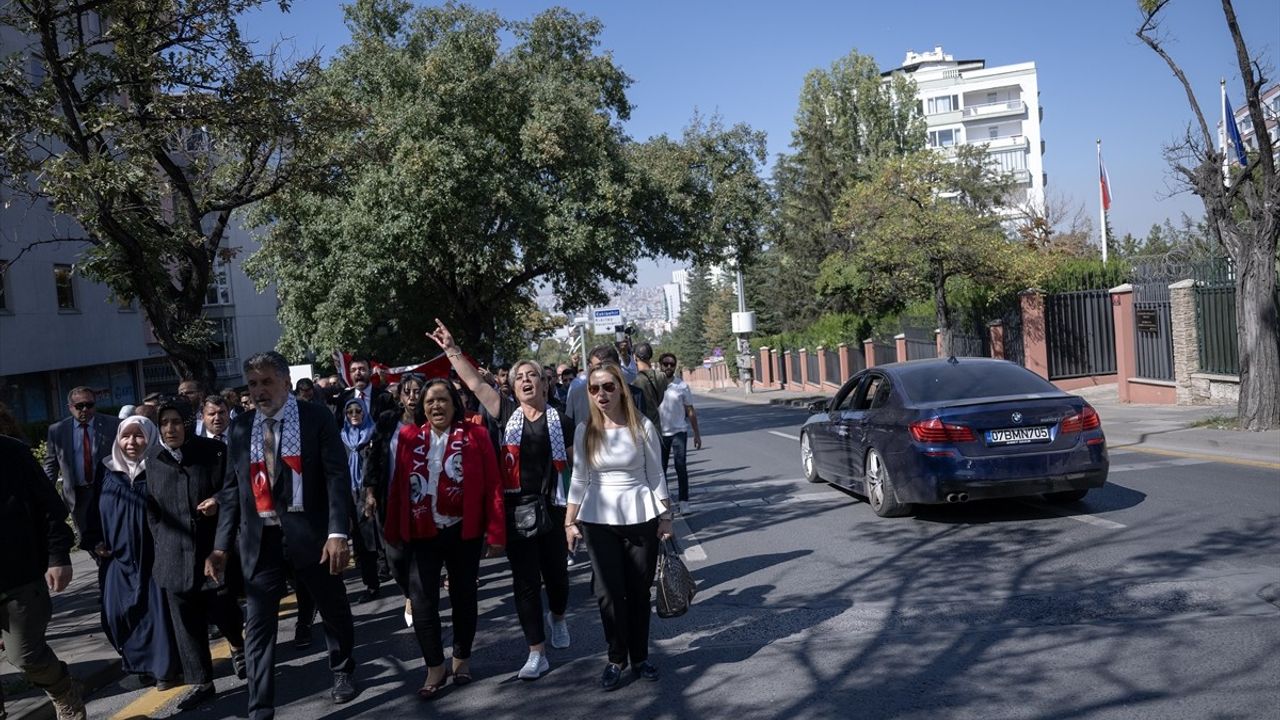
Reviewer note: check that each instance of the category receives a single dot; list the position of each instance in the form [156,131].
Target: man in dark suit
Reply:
[287,497]
[75,447]
[361,389]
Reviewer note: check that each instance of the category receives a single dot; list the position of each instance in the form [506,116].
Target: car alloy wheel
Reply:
[807,459]
[879,488]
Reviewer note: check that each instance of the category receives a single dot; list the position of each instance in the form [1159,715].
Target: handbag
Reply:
[675,583]
[531,518]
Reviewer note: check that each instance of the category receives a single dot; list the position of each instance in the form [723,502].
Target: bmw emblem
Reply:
[1017,417]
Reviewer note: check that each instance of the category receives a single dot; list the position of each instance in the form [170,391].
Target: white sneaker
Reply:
[535,667]
[559,632]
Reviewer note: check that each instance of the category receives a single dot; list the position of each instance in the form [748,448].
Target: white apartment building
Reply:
[1270,98]
[964,102]
[59,330]
[673,298]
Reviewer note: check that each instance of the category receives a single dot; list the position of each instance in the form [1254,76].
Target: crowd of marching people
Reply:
[202,511]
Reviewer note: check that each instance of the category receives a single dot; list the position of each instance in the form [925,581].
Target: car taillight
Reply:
[934,430]
[1086,419]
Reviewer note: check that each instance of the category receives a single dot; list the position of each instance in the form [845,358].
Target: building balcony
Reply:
[1004,142]
[995,109]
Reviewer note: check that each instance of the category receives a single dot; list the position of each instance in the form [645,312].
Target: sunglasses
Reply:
[668,363]
[355,412]
[609,387]
[83,405]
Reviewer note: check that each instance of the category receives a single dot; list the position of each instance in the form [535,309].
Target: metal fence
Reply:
[1079,334]
[920,349]
[884,353]
[857,360]
[757,369]
[921,337]
[811,374]
[1153,331]
[1216,326]
[967,345]
[832,358]
[779,367]
[797,372]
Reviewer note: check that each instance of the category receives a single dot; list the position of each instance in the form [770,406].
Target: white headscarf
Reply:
[122,464]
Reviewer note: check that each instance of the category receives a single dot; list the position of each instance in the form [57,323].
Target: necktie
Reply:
[269,448]
[87,451]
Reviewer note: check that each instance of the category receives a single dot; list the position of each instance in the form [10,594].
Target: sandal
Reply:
[462,674]
[431,691]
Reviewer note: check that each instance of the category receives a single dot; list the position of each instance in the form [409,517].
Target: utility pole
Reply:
[744,323]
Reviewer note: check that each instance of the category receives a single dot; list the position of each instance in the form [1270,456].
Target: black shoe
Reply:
[197,696]
[343,690]
[215,632]
[238,664]
[302,637]
[168,683]
[368,595]
[611,677]
[385,577]
[646,670]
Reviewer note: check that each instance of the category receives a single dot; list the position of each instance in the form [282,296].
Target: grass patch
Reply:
[1218,422]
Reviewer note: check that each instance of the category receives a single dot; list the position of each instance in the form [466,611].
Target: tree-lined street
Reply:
[1151,599]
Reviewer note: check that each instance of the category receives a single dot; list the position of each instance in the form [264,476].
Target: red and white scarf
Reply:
[511,451]
[412,499]
[289,450]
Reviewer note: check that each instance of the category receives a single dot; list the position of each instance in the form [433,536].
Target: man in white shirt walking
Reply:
[678,416]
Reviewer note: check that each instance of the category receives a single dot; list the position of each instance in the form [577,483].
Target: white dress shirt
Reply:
[624,485]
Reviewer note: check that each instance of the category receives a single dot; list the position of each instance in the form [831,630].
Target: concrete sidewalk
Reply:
[75,634]
[1153,427]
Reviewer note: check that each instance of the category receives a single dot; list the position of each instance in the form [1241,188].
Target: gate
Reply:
[1079,330]
[1153,330]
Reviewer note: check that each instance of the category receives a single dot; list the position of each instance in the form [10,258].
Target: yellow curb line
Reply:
[155,700]
[1198,456]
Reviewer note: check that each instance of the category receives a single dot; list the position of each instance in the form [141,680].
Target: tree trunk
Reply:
[942,312]
[1259,344]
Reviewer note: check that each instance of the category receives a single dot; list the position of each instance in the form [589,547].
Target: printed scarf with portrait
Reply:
[511,451]
[417,494]
[289,444]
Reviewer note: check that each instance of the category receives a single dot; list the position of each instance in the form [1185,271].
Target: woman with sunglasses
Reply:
[618,502]
[444,504]
[533,445]
[394,422]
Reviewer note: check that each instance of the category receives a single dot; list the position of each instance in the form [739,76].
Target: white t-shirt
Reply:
[672,410]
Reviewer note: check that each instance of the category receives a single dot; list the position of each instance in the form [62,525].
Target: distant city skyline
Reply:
[747,62]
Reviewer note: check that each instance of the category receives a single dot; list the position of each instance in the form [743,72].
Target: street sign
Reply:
[603,320]
[1146,320]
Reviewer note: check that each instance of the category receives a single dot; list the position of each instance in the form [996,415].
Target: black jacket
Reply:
[326,492]
[33,519]
[183,537]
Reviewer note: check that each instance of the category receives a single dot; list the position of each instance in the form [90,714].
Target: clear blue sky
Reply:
[746,60]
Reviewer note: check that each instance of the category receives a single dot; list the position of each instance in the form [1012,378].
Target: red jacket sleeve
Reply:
[495,520]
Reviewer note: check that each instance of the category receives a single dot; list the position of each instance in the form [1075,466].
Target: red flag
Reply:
[437,366]
[341,361]
[1106,183]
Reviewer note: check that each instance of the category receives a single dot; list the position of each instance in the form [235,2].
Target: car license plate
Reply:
[1018,436]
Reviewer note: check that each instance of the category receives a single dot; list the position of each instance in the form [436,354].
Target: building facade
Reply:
[1270,98]
[59,330]
[964,102]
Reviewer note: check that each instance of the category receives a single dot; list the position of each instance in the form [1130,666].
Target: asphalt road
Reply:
[1156,597]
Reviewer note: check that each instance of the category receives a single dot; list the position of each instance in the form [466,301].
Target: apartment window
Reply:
[219,292]
[223,339]
[944,138]
[64,284]
[945,103]
[4,302]
[993,132]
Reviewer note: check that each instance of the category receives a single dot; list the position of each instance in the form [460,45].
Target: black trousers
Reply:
[677,445]
[264,588]
[366,535]
[192,612]
[419,563]
[624,558]
[537,561]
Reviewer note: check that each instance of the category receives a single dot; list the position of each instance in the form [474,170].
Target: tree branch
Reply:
[48,241]
[1148,25]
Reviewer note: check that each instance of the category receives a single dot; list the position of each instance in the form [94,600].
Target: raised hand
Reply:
[442,336]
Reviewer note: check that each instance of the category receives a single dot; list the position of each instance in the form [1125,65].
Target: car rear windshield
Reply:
[944,382]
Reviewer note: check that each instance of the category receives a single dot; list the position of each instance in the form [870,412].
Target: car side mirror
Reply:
[819,406]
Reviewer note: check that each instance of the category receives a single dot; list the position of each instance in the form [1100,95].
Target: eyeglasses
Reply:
[83,405]
[608,387]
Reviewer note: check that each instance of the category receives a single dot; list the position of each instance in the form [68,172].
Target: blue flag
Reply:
[1233,134]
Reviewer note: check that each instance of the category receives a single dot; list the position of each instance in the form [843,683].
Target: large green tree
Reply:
[918,222]
[151,123]
[1243,215]
[490,160]
[849,117]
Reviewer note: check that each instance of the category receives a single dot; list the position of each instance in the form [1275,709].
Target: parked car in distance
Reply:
[953,430]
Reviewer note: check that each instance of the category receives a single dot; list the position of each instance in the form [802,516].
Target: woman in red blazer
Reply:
[444,506]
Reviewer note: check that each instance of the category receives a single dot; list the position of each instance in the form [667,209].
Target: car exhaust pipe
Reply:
[953,497]
[962,497]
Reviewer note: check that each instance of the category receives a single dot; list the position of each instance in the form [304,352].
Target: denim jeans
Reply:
[677,445]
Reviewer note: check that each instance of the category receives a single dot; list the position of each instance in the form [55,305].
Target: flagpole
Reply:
[1102,207]
[1222,134]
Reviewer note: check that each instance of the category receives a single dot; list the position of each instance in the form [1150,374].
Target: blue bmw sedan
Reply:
[953,430]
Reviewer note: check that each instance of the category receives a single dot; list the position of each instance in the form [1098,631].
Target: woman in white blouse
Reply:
[618,502]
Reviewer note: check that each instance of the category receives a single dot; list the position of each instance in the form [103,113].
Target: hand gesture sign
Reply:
[442,336]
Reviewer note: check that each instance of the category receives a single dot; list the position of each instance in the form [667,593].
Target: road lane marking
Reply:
[785,435]
[691,549]
[1078,517]
[1156,464]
